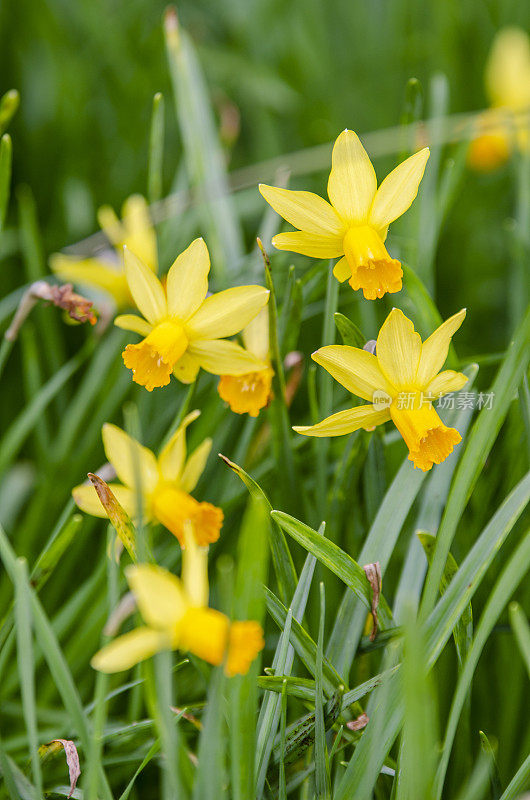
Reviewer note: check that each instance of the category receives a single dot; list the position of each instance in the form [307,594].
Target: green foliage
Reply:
[435,704]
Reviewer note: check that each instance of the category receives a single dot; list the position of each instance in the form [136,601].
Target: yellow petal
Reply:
[304,210]
[342,270]
[398,349]
[434,349]
[111,226]
[345,422]
[309,244]
[93,272]
[187,280]
[186,368]
[357,370]
[226,313]
[159,595]
[194,569]
[138,230]
[86,498]
[221,357]
[145,288]
[428,439]
[256,335]
[127,455]
[398,190]
[129,649]
[131,322]
[195,466]
[352,182]
[508,69]
[445,382]
[171,459]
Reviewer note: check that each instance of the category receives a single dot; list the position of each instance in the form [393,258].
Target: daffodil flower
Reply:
[184,329]
[250,392]
[400,381]
[105,272]
[177,616]
[355,224]
[507,79]
[165,482]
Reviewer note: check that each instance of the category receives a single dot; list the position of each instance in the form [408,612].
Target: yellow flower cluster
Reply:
[185,329]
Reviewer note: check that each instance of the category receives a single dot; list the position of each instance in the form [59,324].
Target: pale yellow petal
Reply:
[256,335]
[186,368]
[172,458]
[138,231]
[226,313]
[221,357]
[159,595]
[194,569]
[435,349]
[146,289]
[195,466]
[342,270]
[445,382]
[398,190]
[187,280]
[352,181]
[86,498]
[508,69]
[345,422]
[131,322]
[309,244]
[111,226]
[129,649]
[357,370]
[127,455]
[304,210]
[398,349]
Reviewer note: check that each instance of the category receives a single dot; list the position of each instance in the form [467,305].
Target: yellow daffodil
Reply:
[166,483]
[177,615]
[184,329]
[105,272]
[250,392]
[507,80]
[400,381]
[355,224]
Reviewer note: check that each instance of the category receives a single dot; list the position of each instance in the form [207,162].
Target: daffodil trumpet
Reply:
[104,272]
[353,226]
[177,616]
[250,392]
[183,329]
[400,380]
[165,484]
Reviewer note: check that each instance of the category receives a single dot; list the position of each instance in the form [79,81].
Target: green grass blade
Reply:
[25,661]
[210,782]
[156,149]
[479,443]
[322,776]
[6,156]
[521,629]
[248,604]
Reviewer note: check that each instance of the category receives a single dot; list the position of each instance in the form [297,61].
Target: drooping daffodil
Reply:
[507,122]
[400,381]
[354,225]
[177,616]
[165,483]
[104,272]
[250,392]
[184,329]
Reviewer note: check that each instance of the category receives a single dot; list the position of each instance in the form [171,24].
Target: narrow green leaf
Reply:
[495,780]
[322,776]
[9,104]
[6,156]
[350,333]
[478,446]
[281,556]
[156,149]
[210,780]
[521,629]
